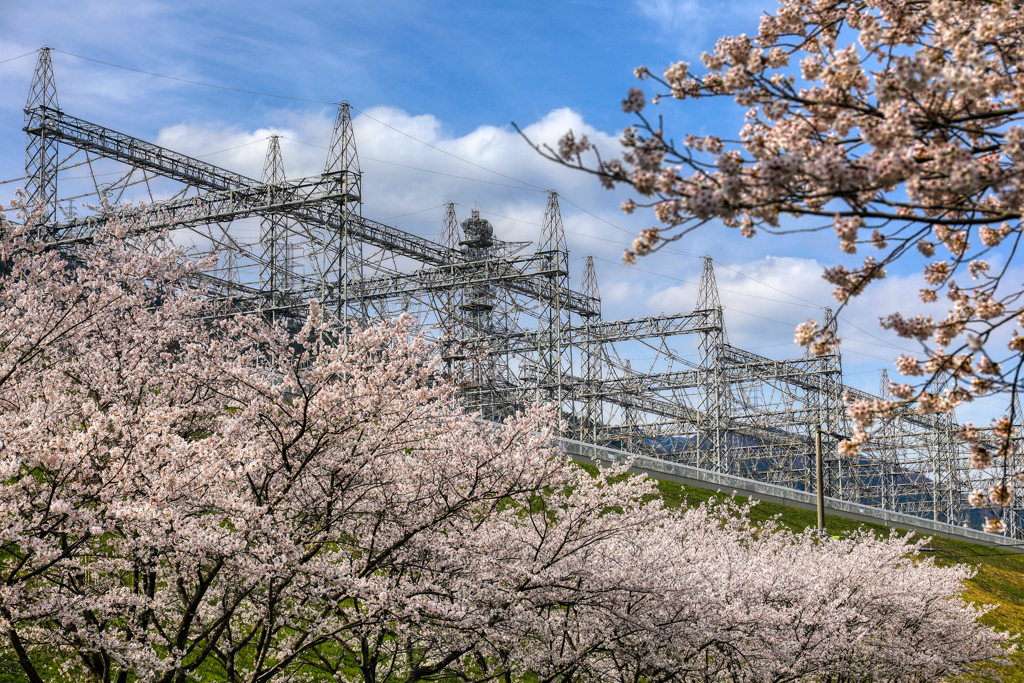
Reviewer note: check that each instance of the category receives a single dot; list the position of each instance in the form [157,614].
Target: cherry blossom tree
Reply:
[188,495]
[896,125]
[706,595]
[648,594]
[184,497]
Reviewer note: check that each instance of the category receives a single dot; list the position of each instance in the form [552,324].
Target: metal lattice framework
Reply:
[511,328]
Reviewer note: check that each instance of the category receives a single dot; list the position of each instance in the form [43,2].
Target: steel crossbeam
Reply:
[167,163]
[609,332]
[454,276]
[649,327]
[211,207]
[138,153]
[132,151]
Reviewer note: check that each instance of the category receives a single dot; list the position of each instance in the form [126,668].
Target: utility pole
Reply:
[819,477]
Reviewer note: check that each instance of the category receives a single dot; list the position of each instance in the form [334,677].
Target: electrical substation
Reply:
[514,330]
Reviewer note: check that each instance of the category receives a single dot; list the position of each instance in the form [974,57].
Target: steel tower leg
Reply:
[831,413]
[272,231]
[1013,515]
[450,314]
[592,350]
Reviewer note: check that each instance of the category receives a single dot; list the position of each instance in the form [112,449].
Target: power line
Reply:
[628,232]
[876,338]
[594,237]
[220,151]
[688,282]
[191,82]
[450,175]
[491,213]
[454,156]
[866,355]
[308,144]
[413,212]
[11,59]
[767,285]
[424,170]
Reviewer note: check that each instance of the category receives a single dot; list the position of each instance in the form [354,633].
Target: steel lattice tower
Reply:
[272,230]
[41,150]
[591,358]
[713,448]
[554,359]
[342,260]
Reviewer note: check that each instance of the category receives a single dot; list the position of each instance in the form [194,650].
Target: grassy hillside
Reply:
[999,581]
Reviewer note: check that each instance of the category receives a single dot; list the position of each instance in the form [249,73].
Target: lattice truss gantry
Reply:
[511,328]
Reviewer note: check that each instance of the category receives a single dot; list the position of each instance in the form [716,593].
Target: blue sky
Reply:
[453,74]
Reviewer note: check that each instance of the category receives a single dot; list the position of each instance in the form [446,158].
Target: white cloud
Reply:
[673,15]
[402,175]
[693,26]
[766,298]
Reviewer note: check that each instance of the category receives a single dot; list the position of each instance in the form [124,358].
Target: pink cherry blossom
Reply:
[188,495]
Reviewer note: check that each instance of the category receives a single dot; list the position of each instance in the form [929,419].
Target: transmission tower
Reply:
[591,357]
[272,229]
[713,445]
[41,150]
[554,359]
[342,258]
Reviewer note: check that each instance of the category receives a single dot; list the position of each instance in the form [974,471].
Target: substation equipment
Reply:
[511,326]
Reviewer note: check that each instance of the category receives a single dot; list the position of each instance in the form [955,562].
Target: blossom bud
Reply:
[968,433]
[804,333]
[634,101]
[990,237]
[901,391]
[676,73]
[994,526]
[980,457]
[907,365]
